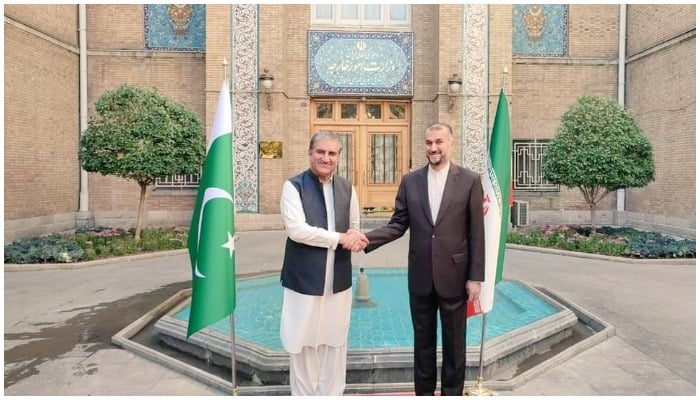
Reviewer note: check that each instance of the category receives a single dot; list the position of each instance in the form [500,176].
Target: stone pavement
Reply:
[58,322]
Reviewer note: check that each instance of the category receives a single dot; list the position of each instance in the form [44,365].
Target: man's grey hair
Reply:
[325,135]
[439,125]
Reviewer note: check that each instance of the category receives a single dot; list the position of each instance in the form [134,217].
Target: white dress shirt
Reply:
[436,187]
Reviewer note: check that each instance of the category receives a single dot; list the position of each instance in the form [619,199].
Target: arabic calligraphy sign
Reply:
[360,63]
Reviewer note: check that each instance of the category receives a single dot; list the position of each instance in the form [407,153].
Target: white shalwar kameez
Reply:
[314,329]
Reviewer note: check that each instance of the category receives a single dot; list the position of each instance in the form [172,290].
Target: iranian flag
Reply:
[497,200]
[211,237]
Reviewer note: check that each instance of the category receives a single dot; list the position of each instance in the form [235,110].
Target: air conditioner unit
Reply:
[520,213]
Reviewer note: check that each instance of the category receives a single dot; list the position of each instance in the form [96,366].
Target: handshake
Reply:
[353,240]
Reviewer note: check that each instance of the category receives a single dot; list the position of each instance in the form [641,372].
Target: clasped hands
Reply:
[353,240]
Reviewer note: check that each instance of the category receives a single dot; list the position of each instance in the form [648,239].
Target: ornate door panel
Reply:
[375,137]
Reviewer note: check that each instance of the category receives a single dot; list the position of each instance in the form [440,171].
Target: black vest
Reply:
[304,267]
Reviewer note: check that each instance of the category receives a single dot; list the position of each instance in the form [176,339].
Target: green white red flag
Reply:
[497,200]
[211,237]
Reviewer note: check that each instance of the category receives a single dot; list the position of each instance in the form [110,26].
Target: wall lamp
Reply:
[454,88]
[267,81]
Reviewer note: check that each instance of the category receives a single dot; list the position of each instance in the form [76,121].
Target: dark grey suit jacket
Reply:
[448,253]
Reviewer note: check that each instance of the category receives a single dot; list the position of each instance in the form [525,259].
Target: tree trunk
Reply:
[139,214]
[592,206]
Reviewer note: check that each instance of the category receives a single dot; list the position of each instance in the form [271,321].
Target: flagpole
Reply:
[479,389]
[234,385]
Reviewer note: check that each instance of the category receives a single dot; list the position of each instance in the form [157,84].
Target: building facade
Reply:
[376,74]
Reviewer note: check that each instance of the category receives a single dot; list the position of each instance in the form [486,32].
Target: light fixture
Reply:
[267,82]
[454,87]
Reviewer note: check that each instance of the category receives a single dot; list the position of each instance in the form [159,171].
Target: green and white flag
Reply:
[497,185]
[210,242]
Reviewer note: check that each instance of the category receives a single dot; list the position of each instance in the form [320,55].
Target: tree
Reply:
[598,149]
[141,135]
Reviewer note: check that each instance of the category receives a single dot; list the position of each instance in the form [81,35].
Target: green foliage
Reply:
[655,245]
[599,145]
[51,249]
[141,135]
[91,244]
[621,242]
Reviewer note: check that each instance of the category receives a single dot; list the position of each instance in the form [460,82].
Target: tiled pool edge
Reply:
[123,339]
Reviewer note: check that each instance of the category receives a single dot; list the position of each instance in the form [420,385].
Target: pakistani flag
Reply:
[211,245]
[497,186]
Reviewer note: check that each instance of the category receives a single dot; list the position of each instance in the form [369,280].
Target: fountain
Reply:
[524,322]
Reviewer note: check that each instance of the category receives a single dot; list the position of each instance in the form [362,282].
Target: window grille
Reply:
[190,181]
[527,166]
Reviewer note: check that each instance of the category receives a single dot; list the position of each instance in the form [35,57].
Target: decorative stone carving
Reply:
[475,87]
[245,106]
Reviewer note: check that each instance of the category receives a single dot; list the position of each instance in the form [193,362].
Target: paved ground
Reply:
[58,323]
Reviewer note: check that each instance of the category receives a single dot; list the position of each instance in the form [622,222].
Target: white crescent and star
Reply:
[230,244]
[211,194]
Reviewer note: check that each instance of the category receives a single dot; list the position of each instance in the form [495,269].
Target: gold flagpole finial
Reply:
[505,74]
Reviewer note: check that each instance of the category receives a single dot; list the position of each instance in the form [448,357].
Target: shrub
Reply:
[625,242]
[93,243]
[52,249]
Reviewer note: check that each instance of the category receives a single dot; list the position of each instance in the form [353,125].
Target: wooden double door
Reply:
[375,137]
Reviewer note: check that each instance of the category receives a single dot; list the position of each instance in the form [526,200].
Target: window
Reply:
[527,166]
[345,161]
[383,158]
[361,14]
[179,182]
[324,110]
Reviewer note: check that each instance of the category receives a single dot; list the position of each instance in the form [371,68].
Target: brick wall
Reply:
[426,83]
[41,94]
[57,21]
[41,111]
[115,26]
[661,95]
[593,30]
[291,104]
[648,25]
[544,88]
[449,30]
[500,53]
[286,100]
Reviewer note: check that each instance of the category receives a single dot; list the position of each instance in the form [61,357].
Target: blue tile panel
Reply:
[384,323]
[360,63]
[540,30]
[175,26]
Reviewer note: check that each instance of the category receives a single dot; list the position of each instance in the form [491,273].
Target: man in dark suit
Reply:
[442,204]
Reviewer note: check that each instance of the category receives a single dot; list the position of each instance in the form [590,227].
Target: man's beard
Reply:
[439,160]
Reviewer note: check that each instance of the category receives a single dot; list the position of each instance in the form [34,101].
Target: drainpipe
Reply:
[621,83]
[82,25]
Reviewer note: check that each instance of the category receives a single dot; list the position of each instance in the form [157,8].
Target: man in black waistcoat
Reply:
[442,205]
[321,215]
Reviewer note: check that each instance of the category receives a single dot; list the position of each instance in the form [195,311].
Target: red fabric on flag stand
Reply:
[473,308]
